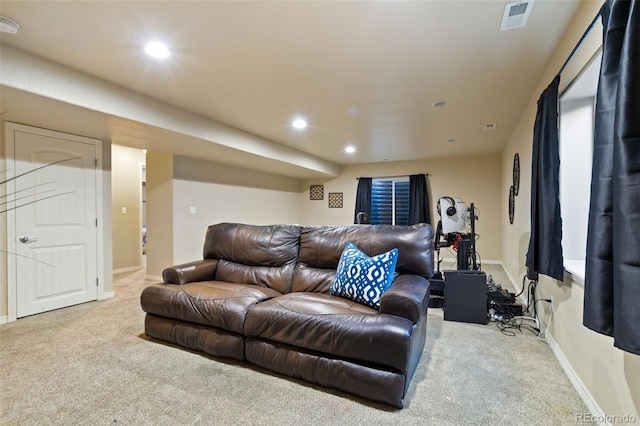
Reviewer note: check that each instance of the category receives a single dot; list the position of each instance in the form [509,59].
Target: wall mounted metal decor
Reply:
[512,203]
[516,174]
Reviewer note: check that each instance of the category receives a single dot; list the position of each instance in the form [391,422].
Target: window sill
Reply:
[574,269]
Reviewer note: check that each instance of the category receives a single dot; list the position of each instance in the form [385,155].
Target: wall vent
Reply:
[516,14]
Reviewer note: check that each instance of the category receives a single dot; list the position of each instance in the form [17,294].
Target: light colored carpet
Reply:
[92,365]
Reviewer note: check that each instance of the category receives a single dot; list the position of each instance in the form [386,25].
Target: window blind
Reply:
[390,201]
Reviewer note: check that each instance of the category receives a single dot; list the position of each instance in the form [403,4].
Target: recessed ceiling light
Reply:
[157,50]
[8,25]
[299,123]
[440,104]
[350,149]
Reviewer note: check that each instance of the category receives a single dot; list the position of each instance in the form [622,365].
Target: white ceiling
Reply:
[364,73]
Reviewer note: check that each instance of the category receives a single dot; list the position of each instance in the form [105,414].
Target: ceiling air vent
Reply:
[516,15]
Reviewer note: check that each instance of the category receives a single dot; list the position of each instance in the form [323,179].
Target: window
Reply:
[577,108]
[390,201]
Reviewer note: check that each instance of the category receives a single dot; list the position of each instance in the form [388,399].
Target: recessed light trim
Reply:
[8,25]
[440,104]
[299,123]
[350,149]
[157,50]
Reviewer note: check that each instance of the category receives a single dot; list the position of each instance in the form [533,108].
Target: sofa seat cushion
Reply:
[213,303]
[331,325]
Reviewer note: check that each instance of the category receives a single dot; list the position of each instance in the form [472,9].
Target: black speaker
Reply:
[463,254]
[465,296]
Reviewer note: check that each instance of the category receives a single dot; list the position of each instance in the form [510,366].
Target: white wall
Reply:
[576,153]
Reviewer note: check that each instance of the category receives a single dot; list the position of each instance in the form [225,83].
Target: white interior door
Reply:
[53,212]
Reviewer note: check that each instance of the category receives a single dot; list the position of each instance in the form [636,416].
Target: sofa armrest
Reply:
[201,270]
[407,297]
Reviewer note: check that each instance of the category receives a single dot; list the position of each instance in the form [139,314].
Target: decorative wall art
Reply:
[516,174]
[515,188]
[512,203]
[335,200]
[316,192]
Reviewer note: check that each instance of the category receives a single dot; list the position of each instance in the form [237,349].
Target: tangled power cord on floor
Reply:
[531,322]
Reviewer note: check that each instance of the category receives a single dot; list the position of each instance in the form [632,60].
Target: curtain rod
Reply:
[575,49]
[396,176]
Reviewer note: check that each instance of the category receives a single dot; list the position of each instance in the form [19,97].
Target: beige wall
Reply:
[126,192]
[608,378]
[159,212]
[3,233]
[106,265]
[475,180]
[222,193]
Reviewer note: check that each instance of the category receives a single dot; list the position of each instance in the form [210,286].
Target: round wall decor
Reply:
[512,203]
[516,174]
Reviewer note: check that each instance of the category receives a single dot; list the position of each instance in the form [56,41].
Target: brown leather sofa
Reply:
[261,295]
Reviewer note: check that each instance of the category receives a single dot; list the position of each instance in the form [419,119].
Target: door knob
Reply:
[26,240]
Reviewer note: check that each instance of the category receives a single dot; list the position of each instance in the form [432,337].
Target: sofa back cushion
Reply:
[321,247]
[249,254]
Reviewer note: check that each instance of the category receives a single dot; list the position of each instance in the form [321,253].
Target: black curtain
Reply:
[545,244]
[612,279]
[418,200]
[363,198]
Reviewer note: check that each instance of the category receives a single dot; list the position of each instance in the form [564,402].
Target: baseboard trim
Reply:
[522,298]
[153,278]
[108,295]
[129,269]
[594,409]
[4,319]
[598,416]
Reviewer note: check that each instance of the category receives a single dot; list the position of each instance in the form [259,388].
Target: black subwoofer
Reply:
[465,296]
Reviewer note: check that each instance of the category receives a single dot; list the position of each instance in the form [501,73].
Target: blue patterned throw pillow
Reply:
[361,278]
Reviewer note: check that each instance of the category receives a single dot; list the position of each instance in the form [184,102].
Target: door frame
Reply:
[10,129]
